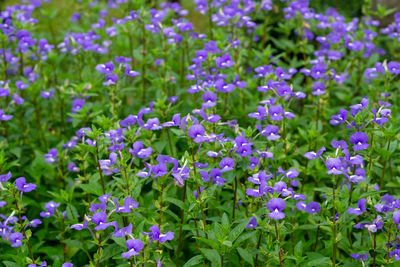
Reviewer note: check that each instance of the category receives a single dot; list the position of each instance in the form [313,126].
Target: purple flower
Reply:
[276,206]
[339,144]
[359,174]
[196,132]
[370,73]
[134,247]
[284,90]
[111,78]
[4,92]
[129,204]
[276,112]
[271,131]
[22,186]
[201,189]
[5,177]
[121,60]
[360,257]
[155,235]
[152,124]
[358,107]
[224,61]
[252,223]
[16,239]
[340,118]
[372,227]
[75,17]
[128,121]
[105,166]
[139,151]
[130,72]
[100,219]
[81,226]
[226,164]
[361,207]
[396,217]
[159,170]
[312,207]
[209,99]
[4,117]
[312,155]
[72,167]
[176,118]
[21,85]
[124,231]
[50,208]
[318,71]
[334,166]
[51,157]
[105,68]
[260,115]
[301,205]
[17,99]
[360,141]
[216,175]
[393,67]
[318,88]
[77,104]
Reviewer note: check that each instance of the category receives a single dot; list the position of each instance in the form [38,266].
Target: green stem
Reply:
[384,169]
[98,251]
[316,239]
[143,61]
[258,247]
[234,199]
[181,225]
[198,191]
[334,225]
[374,260]
[100,171]
[4,59]
[210,24]
[22,227]
[388,246]
[280,245]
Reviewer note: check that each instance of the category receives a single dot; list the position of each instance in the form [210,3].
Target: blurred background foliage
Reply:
[348,7]
[58,20]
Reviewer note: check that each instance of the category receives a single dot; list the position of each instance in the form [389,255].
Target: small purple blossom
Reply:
[22,186]
[155,235]
[276,206]
[360,141]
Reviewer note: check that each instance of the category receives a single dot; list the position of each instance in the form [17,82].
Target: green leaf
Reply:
[212,256]
[93,187]
[73,243]
[316,259]
[298,249]
[244,237]
[160,145]
[245,255]
[28,234]
[111,251]
[227,243]
[177,202]
[10,264]
[214,244]
[225,221]
[235,233]
[193,261]
[219,232]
